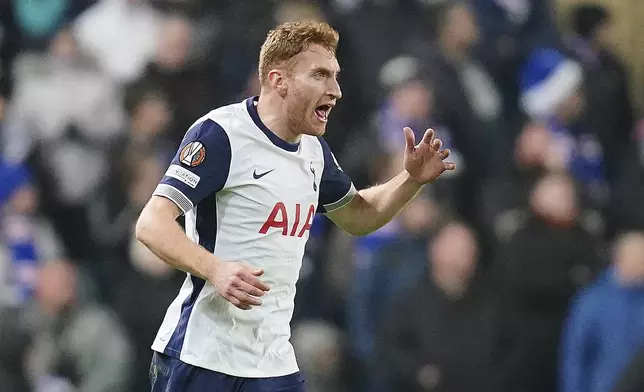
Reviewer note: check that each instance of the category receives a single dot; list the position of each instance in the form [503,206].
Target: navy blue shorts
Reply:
[168,374]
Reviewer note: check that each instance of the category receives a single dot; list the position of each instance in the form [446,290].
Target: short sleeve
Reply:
[200,166]
[336,188]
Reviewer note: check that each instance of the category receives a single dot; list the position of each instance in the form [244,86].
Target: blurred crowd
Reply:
[522,271]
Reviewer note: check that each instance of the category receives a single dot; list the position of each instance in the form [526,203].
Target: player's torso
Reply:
[266,208]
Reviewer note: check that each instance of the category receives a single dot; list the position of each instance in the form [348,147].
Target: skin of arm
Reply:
[157,229]
[372,208]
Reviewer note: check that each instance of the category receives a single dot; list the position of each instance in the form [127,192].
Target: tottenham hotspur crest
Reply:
[192,154]
[315,186]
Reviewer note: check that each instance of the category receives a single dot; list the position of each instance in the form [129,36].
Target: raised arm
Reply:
[371,208]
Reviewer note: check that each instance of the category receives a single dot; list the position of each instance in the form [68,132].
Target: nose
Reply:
[334,89]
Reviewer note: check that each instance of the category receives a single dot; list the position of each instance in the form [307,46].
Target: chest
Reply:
[273,191]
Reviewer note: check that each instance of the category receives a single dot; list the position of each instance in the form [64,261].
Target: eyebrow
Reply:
[326,70]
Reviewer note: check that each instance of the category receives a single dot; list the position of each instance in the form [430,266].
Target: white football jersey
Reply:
[247,195]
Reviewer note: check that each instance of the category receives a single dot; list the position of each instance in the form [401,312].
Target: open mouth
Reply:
[322,112]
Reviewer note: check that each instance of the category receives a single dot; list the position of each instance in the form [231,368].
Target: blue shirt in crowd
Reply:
[604,330]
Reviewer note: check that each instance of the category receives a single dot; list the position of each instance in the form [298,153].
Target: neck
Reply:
[273,114]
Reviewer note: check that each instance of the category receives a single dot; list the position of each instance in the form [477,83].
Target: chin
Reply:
[318,131]
[315,130]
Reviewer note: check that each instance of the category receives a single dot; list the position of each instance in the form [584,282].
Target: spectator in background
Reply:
[547,258]
[468,103]
[411,102]
[121,35]
[134,159]
[605,327]
[78,344]
[62,119]
[320,349]
[511,30]
[26,238]
[143,171]
[361,21]
[141,298]
[391,269]
[440,335]
[506,197]
[610,112]
[552,96]
[191,82]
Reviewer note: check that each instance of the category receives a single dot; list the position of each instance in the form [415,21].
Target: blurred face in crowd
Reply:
[312,90]
[63,46]
[146,176]
[573,106]
[460,30]
[419,215]
[413,100]
[453,254]
[532,146]
[554,200]
[24,201]
[56,286]
[603,35]
[151,117]
[175,42]
[629,258]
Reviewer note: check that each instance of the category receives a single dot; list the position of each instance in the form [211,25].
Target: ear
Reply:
[278,81]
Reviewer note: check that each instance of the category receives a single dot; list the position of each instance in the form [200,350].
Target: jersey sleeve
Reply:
[200,166]
[336,188]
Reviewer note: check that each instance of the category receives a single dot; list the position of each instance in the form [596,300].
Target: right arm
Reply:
[158,230]
[199,168]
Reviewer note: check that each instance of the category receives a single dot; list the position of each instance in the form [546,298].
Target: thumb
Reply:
[410,140]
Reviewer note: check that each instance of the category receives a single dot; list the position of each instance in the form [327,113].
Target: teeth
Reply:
[323,111]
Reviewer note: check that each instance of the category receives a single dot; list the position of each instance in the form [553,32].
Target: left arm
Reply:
[372,208]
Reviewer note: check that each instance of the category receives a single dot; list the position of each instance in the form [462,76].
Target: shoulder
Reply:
[231,118]
[217,126]
[590,297]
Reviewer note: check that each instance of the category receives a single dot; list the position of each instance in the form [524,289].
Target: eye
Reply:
[319,75]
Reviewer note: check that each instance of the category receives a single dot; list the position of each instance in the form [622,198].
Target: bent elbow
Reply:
[143,227]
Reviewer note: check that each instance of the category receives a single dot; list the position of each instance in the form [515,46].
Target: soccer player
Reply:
[249,178]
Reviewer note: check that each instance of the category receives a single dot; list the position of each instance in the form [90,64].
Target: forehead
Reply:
[316,56]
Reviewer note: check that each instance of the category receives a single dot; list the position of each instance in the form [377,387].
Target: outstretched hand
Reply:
[425,161]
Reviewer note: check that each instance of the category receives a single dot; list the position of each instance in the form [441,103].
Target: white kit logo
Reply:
[183,175]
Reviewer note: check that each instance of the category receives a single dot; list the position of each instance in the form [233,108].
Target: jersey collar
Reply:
[251,104]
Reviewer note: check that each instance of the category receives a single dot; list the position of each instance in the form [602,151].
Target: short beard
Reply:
[296,119]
